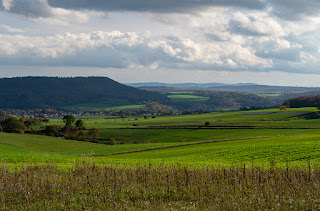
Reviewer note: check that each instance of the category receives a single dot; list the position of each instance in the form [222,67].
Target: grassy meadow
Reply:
[274,164]
[283,137]
[101,107]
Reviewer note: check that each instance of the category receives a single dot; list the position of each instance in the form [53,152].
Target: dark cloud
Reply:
[28,8]
[158,6]
[286,9]
[294,9]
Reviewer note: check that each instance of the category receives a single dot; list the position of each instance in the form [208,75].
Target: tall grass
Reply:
[90,187]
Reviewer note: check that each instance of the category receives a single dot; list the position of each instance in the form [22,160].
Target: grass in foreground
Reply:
[89,187]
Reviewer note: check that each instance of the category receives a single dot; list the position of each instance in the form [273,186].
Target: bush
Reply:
[266,120]
[112,141]
[52,130]
[183,139]
[81,133]
[207,123]
[72,136]
[283,108]
[140,142]
[82,139]
[135,125]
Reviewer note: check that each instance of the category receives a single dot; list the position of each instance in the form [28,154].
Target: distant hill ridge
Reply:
[186,85]
[55,92]
[239,87]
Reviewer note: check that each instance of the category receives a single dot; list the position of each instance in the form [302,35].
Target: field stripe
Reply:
[187,144]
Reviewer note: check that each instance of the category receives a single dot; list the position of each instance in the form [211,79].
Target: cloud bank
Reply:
[123,50]
[287,9]
[231,35]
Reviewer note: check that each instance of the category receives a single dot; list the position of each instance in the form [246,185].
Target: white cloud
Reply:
[7,4]
[117,49]
[11,29]
[255,24]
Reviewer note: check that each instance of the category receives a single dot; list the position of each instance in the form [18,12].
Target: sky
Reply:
[275,42]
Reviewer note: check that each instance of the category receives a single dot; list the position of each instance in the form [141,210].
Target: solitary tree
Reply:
[68,119]
[80,124]
[94,132]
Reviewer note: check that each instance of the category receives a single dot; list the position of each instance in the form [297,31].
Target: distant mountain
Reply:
[240,87]
[185,85]
[54,92]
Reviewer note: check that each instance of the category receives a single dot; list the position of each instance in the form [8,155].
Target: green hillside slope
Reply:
[53,92]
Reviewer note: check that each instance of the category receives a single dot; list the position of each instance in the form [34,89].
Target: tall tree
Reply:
[80,124]
[68,119]
[94,132]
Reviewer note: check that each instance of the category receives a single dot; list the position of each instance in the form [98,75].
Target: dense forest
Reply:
[313,101]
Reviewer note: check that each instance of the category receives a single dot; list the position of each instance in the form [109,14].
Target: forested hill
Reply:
[299,102]
[54,92]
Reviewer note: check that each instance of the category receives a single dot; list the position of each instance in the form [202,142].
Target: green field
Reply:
[186,98]
[135,138]
[268,95]
[101,107]
[153,166]
[180,92]
[276,119]
[292,145]
[292,149]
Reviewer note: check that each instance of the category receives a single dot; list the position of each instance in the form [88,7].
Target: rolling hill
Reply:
[54,92]
[240,87]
